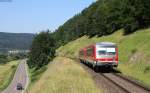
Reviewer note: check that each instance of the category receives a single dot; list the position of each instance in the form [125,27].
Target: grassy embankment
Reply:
[7,73]
[134,52]
[64,76]
[35,75]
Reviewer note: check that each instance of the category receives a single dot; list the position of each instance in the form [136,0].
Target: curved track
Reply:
[114,82]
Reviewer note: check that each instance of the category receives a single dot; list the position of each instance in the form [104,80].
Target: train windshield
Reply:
[106,51]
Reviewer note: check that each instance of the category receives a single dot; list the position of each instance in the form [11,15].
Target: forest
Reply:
[105,17]
[101,18]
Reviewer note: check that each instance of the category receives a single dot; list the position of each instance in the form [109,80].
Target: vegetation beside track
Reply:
[64,76]
[7,73]
[34,76]
[133,52]
[102,18]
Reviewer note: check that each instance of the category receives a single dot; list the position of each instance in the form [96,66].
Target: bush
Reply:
[13,66]
[147,69]
[3,59]
[130,28]
[36,74]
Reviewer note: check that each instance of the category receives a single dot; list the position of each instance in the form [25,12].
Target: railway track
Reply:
[128,86]
[116,82]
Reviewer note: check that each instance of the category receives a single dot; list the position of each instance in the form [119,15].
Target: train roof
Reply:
[106,44]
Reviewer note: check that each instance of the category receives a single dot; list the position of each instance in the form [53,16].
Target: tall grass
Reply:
[64,76]
[35,75]
[7,73]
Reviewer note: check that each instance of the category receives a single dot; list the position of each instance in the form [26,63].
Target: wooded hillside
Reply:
[15,41]
[105,17]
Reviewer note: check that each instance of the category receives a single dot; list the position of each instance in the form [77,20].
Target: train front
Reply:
[107,54]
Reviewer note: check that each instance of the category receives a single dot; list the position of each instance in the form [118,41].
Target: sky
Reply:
[33,16]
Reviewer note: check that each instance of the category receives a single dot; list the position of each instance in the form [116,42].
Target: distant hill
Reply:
[10,41]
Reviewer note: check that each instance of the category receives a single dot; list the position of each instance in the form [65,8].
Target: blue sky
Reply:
[32,16]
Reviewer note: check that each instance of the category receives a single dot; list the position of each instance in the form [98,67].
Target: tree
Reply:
[42,50]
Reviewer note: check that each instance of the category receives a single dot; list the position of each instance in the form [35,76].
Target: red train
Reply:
[103,54]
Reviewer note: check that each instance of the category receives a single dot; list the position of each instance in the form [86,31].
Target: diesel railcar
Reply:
[102,54]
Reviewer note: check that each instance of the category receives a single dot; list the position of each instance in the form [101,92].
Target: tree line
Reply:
[105,17]
[102,17]
[5,58]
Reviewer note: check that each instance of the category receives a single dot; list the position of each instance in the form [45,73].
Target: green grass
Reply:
[34,76]
[64,76]
[134,51]
[7,73]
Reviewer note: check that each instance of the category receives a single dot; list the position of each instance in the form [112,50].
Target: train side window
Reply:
[81,53]
[89,52]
